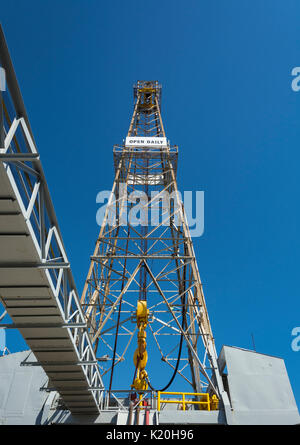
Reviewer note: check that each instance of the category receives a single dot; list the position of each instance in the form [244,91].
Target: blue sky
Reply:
[227,102]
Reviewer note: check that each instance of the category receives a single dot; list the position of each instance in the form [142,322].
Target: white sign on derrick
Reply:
[154,142]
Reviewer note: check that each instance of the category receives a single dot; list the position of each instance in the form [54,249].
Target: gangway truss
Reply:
[36,283]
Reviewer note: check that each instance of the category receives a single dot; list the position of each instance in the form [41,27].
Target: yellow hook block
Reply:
[142,312]
[140,357]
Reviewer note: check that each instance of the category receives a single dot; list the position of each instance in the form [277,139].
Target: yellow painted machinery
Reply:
[140,357]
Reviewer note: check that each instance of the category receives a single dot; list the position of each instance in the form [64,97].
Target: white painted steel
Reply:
[36,283]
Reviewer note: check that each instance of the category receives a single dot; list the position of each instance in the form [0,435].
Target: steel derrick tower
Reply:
[141,328]
[143,291]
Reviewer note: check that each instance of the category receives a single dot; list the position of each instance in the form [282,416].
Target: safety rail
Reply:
[205,403]
[121,398]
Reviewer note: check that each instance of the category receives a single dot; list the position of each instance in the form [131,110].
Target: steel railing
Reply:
[205,402]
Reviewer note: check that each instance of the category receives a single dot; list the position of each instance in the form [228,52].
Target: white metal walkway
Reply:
[36,284]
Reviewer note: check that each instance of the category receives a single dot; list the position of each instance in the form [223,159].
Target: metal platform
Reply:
[258,386]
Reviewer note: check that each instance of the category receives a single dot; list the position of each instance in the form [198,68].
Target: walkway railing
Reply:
[21,168]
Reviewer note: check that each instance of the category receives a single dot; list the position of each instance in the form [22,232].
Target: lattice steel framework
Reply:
[37,287]
[152,262]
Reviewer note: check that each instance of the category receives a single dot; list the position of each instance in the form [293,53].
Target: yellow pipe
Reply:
[186,393]
[208,402]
